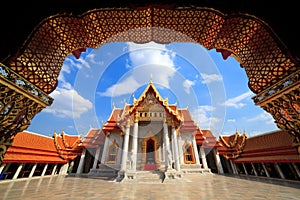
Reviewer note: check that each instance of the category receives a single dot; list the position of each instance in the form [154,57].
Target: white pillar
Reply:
[125,148]
[245,169]
[104,153]
[265,169]
[64,169]
[279,171]
[81,162]
[32,170]
[296,168]
[44,170]
[175,148]
[218,161]
[2,167]
[203,158]
[254,170]
[134,144]
[167,145]
[233,167]
[195,150]
[97,154]
[18,171]
[54,170]
[180,150]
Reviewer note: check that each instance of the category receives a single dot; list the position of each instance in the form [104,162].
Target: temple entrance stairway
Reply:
[154,176]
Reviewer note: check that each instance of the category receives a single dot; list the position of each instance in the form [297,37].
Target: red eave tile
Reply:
[32,158]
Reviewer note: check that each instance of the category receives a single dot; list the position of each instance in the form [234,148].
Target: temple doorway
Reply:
[150,156]
[150,153]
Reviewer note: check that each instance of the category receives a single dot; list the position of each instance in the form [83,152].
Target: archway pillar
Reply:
[20,102]
[281,100]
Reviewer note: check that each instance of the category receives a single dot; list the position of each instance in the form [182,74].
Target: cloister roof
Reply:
[28,147]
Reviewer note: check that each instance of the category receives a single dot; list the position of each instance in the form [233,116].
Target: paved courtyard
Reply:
[190,187]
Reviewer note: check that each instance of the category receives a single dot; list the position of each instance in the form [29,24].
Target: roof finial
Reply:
[150,77]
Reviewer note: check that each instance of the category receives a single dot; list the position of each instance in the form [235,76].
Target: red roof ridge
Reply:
[267,133]
[30,132]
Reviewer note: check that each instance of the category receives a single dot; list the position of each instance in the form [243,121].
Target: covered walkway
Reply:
[191,187]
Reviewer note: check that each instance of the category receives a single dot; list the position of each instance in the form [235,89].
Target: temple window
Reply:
[188,152]
[112,153]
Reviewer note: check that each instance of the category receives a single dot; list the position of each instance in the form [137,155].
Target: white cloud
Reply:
[126,86]
[68,103]
[236,101]
[231,120]
[187,84]
[263,117]
[146,59]
[92,59]
[209,78]
[201,116]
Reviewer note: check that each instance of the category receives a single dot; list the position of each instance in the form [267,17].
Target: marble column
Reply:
[32,170]
[203,157]
[64,169]
[81,162]
[297,169]
[125,148]
[233,167]
[175,149]
[218,161]
[2,167]
[279,171]
[265,169]
[168,153]
[54,170]
[195,150]
[254,170]
[44,170]
[245,169]
[97,154]
[18,171]
[134,145]
[104,153]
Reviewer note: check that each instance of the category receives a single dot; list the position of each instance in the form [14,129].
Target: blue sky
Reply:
[215,90]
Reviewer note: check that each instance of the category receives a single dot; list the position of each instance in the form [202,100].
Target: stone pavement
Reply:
[196,186]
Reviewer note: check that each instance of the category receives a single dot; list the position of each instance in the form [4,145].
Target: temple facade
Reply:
[150,134]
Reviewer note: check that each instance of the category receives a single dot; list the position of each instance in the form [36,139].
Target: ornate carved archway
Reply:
[32,73]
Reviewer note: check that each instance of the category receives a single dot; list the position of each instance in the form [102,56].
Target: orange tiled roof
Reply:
[67,146]
[33,148]
[112,122]
[232,146]
[200,139]
[188,124]
[94,138]
[210,140]
[276,146]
